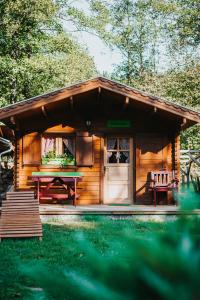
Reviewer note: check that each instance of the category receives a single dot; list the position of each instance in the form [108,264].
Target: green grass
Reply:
[61,248]
[104,258]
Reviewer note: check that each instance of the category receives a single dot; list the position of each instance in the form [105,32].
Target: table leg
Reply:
[74,192]
[154,194]
[38,190]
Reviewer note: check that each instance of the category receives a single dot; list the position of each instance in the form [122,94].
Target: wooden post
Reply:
[44,112]
[154,196]
[38,190]
[75,191]
[101,169]
[71,103]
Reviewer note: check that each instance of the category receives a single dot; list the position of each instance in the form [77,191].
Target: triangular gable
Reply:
[95,83]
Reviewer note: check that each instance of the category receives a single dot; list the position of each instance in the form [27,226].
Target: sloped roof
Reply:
[104,83]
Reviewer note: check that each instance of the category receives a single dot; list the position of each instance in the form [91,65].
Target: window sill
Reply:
[58,167]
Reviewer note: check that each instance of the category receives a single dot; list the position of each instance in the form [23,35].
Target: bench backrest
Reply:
[163,178]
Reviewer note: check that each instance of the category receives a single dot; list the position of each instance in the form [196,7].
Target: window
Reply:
[58,150]
[118,150]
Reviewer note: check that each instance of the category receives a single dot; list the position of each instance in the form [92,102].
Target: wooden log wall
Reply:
[153,153]
[89,187]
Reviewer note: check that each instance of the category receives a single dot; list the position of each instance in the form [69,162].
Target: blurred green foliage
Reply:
[107,258]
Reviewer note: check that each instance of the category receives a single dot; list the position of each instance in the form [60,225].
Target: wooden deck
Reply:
[20,216]
[46,209]
[149,210]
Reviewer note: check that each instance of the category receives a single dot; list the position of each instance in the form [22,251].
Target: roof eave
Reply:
[94,83]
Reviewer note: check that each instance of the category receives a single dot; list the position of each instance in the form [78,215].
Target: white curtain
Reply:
[47,145]
[124,144]
[111,144]
[109,154]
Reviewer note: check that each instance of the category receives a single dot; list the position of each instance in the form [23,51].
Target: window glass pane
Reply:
[111,144]
[124,157]
[112,157]
[59,146]
[48,146]
[123,144]
[68,146]
[58,151]
[69,151]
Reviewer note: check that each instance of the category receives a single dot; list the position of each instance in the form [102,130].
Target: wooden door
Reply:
[118,164]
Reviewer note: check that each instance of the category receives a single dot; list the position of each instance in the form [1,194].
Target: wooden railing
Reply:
[190,167]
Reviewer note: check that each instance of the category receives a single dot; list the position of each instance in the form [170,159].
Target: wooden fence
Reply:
[190,167]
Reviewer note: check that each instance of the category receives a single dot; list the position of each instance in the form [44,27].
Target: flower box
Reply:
[58,161]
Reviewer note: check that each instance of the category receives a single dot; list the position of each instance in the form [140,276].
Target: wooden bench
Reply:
[65,181]
[20,216]
[163,181]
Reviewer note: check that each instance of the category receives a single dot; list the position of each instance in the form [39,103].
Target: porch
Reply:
[113,210]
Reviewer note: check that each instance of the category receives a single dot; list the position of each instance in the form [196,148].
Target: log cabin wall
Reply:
[150,131]
[177,164]
[89,187]
[152,151]
[153,122]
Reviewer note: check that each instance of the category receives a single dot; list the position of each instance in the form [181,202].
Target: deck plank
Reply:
[20,216]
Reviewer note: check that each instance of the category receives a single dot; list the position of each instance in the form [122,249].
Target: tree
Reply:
[132,29]
[180,86]
[127,26]
[36,54]
[188,22]
[139,30]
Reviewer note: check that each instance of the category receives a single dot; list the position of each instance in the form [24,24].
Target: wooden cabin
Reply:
[114,134]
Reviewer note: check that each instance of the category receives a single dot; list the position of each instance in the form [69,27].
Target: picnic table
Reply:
[65,180]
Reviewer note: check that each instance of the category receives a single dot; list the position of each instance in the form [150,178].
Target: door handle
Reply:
[105,169]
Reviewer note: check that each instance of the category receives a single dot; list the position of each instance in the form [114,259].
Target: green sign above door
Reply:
[118,124]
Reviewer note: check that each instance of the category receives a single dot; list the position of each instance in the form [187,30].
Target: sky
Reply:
[105,59]
[103,56]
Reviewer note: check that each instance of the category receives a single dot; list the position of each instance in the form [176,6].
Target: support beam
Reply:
[71,103]
[12,120]
[1,132]
[153,111]
[99,94]
[44,112]
[126,102]
[184,122]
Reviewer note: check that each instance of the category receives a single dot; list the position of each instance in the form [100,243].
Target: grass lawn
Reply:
[81,247]
[61,248]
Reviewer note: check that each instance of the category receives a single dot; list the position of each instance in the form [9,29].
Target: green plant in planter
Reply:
[60,160]
[48,157]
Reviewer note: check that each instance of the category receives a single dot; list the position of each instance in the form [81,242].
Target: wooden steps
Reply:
[20,216]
